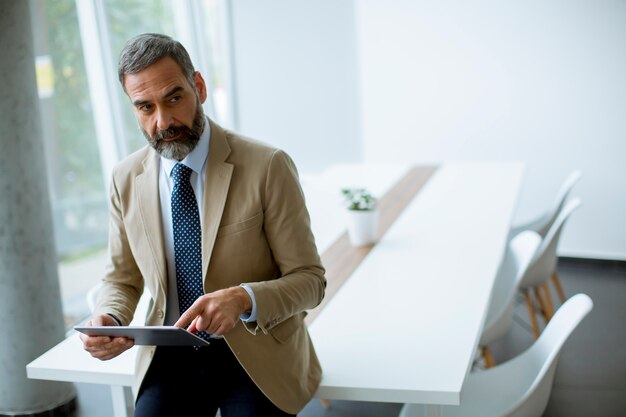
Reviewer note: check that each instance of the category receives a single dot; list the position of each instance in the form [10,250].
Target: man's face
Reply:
[168,109]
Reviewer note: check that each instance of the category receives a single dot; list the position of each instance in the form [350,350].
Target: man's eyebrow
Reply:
[171,92]
[139,103]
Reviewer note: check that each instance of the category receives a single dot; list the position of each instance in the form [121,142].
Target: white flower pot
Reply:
[362,226]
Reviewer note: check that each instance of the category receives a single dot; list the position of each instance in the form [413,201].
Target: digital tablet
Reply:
[147,335]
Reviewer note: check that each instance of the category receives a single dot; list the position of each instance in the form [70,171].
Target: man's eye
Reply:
[145,108]
[175,99]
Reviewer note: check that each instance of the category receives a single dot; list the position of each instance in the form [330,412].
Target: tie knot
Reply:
[180,173]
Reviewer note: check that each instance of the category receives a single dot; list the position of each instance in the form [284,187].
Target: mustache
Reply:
[170,132]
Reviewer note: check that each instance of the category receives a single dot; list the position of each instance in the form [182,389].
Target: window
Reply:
[126,19]
[75,175]
[87,120]
[217,36]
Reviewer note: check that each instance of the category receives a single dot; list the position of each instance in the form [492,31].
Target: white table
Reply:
[442,253]
[68,361]
[405,326]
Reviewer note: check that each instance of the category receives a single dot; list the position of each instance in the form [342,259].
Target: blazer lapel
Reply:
[217,178]
[150,210]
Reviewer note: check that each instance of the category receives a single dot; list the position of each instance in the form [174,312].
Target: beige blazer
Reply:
[256,229]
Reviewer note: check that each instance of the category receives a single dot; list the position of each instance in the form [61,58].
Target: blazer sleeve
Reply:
[287,227]
[122,284]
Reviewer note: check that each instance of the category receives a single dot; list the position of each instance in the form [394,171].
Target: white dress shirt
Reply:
[196,160]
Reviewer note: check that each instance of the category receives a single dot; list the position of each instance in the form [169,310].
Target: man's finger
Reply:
[193,327]
[189,315]
[214,325]
[219,331]
[112,349]
[90,341]
[125,342]
[100,347]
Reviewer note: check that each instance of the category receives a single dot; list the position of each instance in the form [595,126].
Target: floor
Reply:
[590,378]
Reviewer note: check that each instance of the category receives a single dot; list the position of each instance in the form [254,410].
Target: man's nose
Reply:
[164,119]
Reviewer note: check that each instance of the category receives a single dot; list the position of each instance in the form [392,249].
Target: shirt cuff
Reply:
[115,319]
[251,316]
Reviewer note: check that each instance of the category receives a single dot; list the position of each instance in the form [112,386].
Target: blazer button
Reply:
[159,313]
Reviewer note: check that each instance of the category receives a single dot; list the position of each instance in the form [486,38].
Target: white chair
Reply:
[543,267]
[520,387]
[544,222]
[519,253]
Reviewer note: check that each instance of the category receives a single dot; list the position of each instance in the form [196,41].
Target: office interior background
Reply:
[351,81]
[394,81]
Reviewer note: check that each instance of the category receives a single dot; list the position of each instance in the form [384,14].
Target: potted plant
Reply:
[362,215]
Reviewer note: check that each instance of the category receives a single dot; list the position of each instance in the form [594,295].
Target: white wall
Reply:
[543,82]
[424,81]
[296,78]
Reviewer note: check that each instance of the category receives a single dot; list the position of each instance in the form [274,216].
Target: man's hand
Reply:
[216,313]
[105,347]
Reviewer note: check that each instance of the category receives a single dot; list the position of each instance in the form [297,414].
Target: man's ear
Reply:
[200,86]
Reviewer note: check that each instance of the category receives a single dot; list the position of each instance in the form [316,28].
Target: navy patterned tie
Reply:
[187,240]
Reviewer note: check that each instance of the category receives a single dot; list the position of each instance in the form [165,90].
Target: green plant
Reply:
[358,199]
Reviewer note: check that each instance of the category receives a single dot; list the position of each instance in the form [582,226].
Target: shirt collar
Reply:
[196,158]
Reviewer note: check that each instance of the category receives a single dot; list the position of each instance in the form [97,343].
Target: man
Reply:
[215,226]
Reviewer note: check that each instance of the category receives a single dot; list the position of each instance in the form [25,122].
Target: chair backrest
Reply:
[561,197]
[545,259]
[519,253]
[535,367]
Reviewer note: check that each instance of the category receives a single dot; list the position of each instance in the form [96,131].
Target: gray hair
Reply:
[144,50]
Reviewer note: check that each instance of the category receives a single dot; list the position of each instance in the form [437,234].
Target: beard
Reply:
[189,137]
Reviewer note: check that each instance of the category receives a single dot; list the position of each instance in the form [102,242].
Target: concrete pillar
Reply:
[31,317]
